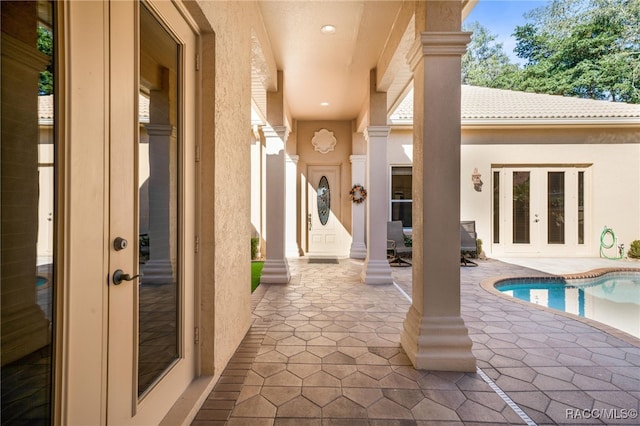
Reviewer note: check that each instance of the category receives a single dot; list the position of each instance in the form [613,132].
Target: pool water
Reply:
[612,299]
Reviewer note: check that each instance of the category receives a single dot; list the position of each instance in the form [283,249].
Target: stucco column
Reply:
[24,326]
[358,247]
[161,266]
[376,266]
[434,335]
[276,269]
[291,173]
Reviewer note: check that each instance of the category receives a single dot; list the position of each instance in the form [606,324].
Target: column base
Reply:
[157,272]
[376,272]
[437,343]
[358,251]
[275,272]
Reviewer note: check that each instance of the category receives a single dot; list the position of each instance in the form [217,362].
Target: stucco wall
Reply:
[231,23]
[339,156]
[614,192]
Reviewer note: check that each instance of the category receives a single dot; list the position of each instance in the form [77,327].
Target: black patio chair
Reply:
[397,250]
[468,242]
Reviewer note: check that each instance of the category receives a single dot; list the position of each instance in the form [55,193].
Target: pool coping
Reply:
[490,283]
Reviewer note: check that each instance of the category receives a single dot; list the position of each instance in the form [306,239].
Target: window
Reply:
[401,188]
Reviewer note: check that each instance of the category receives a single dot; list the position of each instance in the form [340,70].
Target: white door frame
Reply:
[538,245]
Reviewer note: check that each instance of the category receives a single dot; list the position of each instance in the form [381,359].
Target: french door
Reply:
[539,210]
[151,353]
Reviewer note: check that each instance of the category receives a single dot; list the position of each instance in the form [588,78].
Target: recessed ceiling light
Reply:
[324,104]
[328,29]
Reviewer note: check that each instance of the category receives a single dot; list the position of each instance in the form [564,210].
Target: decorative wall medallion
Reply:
[324,200]
[324,141]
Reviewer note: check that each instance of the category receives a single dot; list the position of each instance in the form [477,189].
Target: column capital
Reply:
[361,158]
[438,43]
[292,158]
[281,132]
[377,132]
[23,53]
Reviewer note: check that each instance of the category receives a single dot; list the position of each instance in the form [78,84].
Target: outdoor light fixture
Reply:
[476,178]
[328,29]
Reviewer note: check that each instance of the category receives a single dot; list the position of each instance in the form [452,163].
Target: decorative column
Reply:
[291,173]
[376,266]
[358,247]
[275,269]
[161,266]
[24,326]
[434,335]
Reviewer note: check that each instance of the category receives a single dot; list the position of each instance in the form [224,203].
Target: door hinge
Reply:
[196,335]
[196,248]
[197,62]
[197,153]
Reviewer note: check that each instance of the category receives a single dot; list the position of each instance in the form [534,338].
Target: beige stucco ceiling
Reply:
[319,68]
[327,68]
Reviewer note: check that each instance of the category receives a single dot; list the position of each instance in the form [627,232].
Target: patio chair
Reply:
[468,242]
[396,247]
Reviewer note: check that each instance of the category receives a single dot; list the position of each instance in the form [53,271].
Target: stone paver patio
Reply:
[324,350]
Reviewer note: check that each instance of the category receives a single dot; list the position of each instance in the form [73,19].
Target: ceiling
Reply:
[334,68]
[331,68]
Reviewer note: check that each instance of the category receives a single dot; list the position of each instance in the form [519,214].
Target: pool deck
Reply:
[324,350]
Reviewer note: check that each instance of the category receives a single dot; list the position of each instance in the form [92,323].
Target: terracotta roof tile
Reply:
[479,103]
[45,108]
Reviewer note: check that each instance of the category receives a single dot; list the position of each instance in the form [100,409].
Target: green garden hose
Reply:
[604,246]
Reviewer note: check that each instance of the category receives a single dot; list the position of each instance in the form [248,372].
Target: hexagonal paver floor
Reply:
[324,350]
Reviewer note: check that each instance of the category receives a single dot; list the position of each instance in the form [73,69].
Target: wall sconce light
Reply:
[476,179]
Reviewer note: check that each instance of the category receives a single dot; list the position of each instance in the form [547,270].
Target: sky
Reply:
[501,17]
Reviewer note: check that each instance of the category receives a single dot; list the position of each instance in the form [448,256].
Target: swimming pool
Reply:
[612,298]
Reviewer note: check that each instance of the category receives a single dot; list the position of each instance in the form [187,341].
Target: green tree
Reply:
[485,63]
[584,48]
[45,45]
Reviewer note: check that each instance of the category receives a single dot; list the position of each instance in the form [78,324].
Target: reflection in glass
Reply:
[401,195]
[496,207]
[324,200]
[158,155]
[580,207]
[521,201]
[555,207]
[27,179]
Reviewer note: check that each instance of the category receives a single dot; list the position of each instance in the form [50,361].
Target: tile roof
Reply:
[497,105]
[45,109]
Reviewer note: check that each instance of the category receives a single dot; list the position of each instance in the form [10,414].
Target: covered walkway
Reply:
[324,350]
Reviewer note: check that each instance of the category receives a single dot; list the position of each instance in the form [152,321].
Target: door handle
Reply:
[309,220]
[119,276]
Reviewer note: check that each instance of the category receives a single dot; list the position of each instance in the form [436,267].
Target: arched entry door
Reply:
[324,210]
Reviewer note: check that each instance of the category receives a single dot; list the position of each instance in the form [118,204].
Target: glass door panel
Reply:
[28,192]
[521,207]
[158,200]
[555,208]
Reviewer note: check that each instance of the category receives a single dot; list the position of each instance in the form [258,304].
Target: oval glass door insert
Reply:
[324,200]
